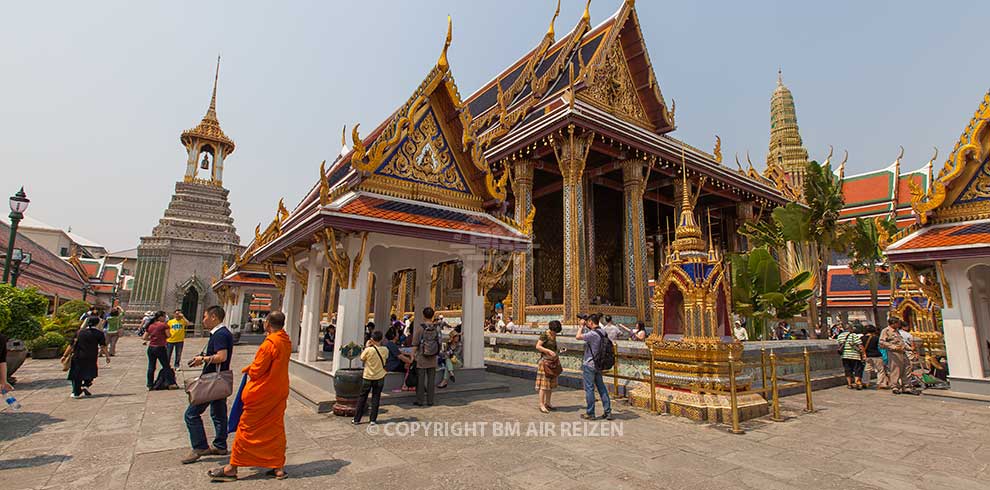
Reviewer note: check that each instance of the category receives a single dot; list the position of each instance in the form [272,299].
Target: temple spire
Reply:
[687,235]
[786,150]
[211,113]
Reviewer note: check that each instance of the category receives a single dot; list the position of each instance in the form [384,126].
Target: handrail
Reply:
[770,390]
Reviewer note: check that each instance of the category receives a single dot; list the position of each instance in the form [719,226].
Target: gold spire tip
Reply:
[553,20]
[586,16]
[442,62]
[343,136]
[780,76]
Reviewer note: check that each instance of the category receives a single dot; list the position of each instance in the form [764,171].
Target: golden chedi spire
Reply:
[687,234]
[786,148]
[209,128]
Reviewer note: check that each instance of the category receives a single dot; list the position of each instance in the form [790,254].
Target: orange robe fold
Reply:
[260,438]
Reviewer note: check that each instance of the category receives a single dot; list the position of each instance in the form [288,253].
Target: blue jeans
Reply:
[194,423]
[174,352]
[592,380]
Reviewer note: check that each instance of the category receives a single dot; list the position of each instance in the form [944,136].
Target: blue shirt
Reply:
[592,345]
[219,340]
[393,363]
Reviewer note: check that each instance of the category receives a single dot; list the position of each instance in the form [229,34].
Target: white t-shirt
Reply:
[740,333]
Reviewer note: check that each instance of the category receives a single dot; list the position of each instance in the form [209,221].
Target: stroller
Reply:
[926,374]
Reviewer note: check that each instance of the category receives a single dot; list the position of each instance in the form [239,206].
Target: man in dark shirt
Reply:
[4,385]
[396,361]
[219,350]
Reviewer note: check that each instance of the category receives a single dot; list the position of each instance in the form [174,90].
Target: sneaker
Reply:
[587,416]
[218,452]
[194,455]
[355,422]
[75,396]
[372,423]
[86,393]
[607,416]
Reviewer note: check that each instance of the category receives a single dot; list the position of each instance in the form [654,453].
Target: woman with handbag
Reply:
[549,367]
[82,354]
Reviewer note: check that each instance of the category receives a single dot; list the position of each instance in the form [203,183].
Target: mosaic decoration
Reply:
[978,188]
[424,156]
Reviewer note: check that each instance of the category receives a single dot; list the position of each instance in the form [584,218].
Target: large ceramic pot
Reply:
[347,386]
[16,354]
[46,353]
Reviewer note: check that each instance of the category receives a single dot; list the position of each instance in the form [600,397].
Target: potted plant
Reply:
[47,346]
[20,310]
[347,382]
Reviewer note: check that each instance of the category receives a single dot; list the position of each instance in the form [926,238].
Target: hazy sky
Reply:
[94,95]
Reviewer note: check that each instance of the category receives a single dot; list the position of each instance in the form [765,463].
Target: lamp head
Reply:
[17,255]
[19,202]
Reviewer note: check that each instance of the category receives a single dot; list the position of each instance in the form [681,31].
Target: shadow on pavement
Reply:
[312,469]
[33,461]
[22,424]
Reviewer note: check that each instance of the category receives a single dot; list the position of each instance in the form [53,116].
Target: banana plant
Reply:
[759,294]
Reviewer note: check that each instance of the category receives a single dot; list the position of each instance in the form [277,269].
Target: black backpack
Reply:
[429,340]
[605,358]
[165,379]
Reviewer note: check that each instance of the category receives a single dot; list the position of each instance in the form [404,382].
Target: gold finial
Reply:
[899,156]
[550,32]
[780,77]
[718,149]
[828,159]
[442,62]
[931,168]
[586,16]
[343,137]
[842,166]
[750,162]
[711,249]
[737,163]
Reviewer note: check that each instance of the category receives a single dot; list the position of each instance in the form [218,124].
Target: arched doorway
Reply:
[190,304]
[979,280]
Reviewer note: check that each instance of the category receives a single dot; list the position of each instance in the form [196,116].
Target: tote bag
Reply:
[210,387]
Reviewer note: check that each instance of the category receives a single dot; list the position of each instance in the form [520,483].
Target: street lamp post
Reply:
[21,261]
[18,204]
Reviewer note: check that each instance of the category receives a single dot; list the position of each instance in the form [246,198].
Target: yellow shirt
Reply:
[373,367]
[176,331]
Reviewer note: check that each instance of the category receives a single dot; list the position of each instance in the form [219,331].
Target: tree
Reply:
[823,196]
[866,243]
[20,312]
[759,294]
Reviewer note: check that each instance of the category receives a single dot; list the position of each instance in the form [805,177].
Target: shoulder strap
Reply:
[379,356]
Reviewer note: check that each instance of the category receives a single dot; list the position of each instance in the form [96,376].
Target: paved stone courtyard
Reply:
[127,437]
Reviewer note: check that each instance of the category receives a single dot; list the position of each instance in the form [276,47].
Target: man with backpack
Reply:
[598,357]
[426,348]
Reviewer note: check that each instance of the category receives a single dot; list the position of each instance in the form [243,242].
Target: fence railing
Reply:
[769,365]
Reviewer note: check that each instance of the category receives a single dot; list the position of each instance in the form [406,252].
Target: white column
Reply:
[383,286]
[473,315]
[234,318]
[311,306]
[290,305]
[421,296]
[351,314]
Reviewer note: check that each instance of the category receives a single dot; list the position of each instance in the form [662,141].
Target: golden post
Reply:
[763,368]
[775,416]
[653,381]
[733,403]
[615,369]
[809,406]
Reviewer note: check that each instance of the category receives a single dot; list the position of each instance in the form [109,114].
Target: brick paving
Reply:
[126,437]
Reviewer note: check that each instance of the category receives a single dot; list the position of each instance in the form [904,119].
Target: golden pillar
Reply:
[571,149]
[522,267]
[634,236]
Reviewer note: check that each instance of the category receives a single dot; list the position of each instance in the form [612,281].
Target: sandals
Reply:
[274,474]
[219,474]
[544,410]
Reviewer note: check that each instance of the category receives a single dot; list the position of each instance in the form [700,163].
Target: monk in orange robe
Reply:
[260,438]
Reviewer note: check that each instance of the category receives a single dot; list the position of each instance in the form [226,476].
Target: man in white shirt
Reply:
[739,332]
[510,326]
[612,330]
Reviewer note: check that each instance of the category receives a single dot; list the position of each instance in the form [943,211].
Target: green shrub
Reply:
[68,313]
[20,310]
[50,339]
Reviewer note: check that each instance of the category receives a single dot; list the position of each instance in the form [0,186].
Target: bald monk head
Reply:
[274,322]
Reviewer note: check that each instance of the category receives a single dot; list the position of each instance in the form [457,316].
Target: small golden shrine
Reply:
[918,302]
[692,342]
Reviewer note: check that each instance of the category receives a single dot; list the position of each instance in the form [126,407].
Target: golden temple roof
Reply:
[209,128]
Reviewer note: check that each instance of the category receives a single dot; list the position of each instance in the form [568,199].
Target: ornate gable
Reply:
[962,189]
[424,156]
[611,87]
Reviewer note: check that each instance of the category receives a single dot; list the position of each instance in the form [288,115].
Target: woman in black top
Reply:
[874,359]
[87,344]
